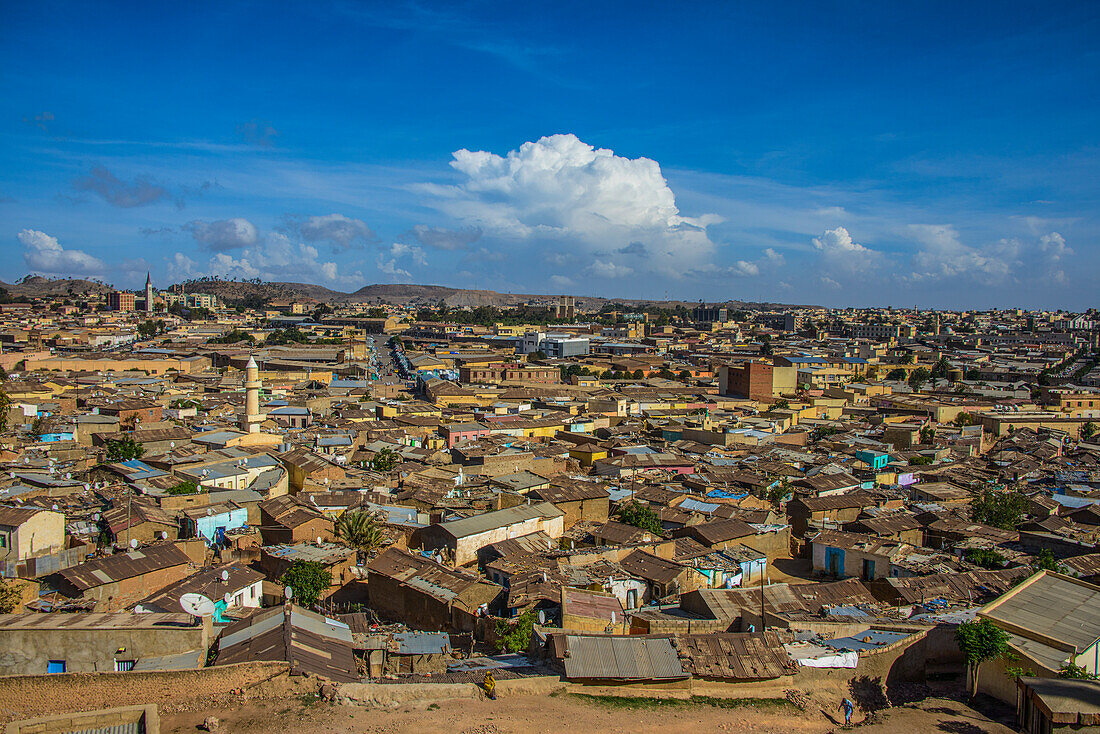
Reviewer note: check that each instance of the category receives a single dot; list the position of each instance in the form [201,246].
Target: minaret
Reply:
[148,293]
[250,422]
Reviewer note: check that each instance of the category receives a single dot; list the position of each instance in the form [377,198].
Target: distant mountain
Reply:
[37,286]
[233,292]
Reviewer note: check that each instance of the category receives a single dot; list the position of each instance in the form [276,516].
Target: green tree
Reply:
[124,449]
[766,349]
[918,377]
[638,375]
[183,488]
[38,427]
[640,516]
[979,641]
[384,461]
[684,375]
[909,358]
[920,460]
[359,530]
[308,579]
[1046,561]
[927,435]
[1076,672]
[896,374]
[515,635]
[967,419]
[1088,431]
[999,508]
[973,374]
[538,355]
[939,370]
[147,329]
[781,404]
[5,406]
[985,558]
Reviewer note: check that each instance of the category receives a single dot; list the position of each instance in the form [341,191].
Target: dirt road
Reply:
[572,714]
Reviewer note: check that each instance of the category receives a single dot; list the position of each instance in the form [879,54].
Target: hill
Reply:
[37,286]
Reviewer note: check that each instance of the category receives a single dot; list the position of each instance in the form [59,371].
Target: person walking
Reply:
[490,685]
[848,708]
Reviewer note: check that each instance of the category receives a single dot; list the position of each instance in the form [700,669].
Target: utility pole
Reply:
[763,623]
[129,507]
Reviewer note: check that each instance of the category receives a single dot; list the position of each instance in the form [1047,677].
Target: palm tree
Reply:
[359,530]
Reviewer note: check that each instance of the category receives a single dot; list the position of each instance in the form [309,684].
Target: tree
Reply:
[684,375]
[538,355]
[967,419]
[1088,431]
[979,641]
[766,346]
[5,406]
[781,404]
[638,375]
[124,449]
[896,374]
[359,530]
[11,597]
[999,508]
[973,374]
[909,358]
[939,370]
[384,461]
[515,636]
[920,460]
[183,488]
[918,377]
[38,427]
[308,579]
[640,516]
[147,329]
[985,558]
[1046,561]
[927,435]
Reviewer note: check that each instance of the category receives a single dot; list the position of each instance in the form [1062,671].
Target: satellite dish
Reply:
[209,511]
[318,540]
[172,444]
[96,517]
[134,543]
[87,486]
[197,605]
[68,475]
[288,592]
[228,598]
[163,535]
[225,577]
[138,609]
[54,507]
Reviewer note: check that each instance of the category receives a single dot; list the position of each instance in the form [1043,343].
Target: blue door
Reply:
[834,562]
[55,666]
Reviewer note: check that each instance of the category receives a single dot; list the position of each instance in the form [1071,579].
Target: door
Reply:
[55,666]
[834,561]
[868,569]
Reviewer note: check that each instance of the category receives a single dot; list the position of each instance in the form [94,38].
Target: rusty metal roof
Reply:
[621,658]
[738,656]
[147,559]
[310,642]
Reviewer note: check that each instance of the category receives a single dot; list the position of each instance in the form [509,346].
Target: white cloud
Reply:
[275,257]
[561,280]
[586,199]
[837,241]
[744,269]
[608,269]
[225,234]
[44,254]
[344,233]
[1054,246]
[943,255]
[389,262]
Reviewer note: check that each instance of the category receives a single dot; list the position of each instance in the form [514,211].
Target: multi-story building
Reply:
[120,301]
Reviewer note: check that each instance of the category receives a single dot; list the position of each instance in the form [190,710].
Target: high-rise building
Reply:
[148,293]
[120,301]
[564,308]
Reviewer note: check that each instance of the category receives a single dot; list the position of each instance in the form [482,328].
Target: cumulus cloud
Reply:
[562,280]
[120,193]
[44,254]
[389,261]
[744,269]
[588,200]
[942,254]
[443,239]
[837,240]
[278,258]
[343,233]
[224,234]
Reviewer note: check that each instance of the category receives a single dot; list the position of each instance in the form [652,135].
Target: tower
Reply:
[148,293]
[250,422]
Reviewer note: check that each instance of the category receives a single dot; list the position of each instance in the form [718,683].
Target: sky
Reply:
[939,155]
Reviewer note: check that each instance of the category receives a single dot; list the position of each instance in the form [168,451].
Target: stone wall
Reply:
[26,696]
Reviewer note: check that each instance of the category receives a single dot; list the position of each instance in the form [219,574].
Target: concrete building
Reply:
[35,643]
[557,346]
[252,418]
[461,540]
[120,301]
[26,532]
[756,380]
[148,293]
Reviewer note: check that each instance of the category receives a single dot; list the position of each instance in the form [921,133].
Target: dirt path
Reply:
[571,714]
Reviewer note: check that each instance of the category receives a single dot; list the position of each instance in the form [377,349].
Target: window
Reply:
[55,666]
[123,666]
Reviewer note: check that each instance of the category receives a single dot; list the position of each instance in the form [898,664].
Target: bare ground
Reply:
[575,714]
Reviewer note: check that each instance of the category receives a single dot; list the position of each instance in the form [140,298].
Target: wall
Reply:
[25,696]
[114,719]
[26,651]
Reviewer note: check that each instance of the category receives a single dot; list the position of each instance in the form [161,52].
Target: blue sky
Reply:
[931,154]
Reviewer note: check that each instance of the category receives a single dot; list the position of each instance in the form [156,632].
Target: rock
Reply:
[329,692]
[211,723]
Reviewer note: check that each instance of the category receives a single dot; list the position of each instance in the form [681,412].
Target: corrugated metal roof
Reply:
[739,656]
[499,518]
[100,571]
[622,658]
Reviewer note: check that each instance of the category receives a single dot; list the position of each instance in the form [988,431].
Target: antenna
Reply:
[197,605]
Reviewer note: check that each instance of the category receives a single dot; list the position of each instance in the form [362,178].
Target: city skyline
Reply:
[854,156]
